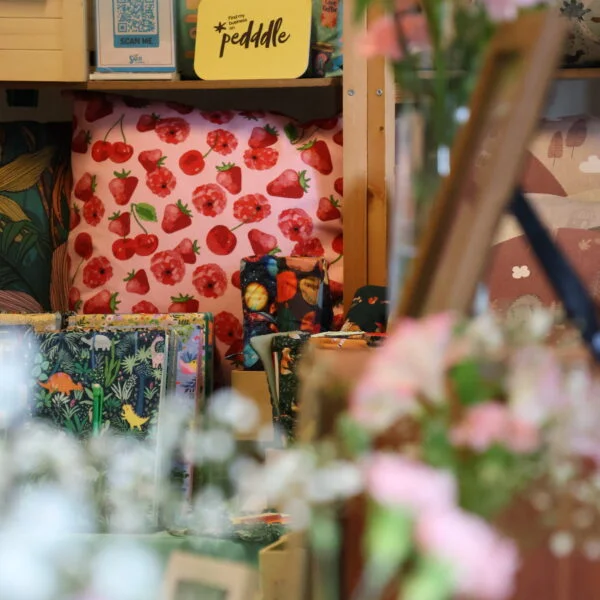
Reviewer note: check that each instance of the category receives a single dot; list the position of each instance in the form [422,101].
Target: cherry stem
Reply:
[336,260]
[209,151]
[118,122]
[134,213]
[122,132]
[238,226]
[76,271]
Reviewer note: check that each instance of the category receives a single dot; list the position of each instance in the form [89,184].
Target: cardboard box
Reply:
[135,36]
[253,385]
[284,568]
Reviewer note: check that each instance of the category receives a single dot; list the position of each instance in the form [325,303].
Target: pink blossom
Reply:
[381,39]
[484,564]
[492,423]
[382,35]
[506,10]
[535,385]
[393,479]
[412,361]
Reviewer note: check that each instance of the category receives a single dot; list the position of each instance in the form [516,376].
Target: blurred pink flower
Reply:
[506,10]
[381,37]
[412,361]
[535,385]
[394,480]
[484,564]
[492,423]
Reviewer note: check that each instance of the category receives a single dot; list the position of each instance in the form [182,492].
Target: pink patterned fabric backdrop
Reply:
[167,200]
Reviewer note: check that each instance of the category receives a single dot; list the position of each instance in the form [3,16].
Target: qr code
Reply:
[136,16]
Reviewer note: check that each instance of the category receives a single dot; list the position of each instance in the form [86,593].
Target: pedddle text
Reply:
[267,38]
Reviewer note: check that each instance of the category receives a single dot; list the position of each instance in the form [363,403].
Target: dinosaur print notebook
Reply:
[127,365]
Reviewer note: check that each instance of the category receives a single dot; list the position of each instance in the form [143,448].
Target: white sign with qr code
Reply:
[135,35]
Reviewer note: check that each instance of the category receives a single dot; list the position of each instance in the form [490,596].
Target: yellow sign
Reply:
[252,39]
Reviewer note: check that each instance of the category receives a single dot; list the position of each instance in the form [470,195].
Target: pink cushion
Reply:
[167,200]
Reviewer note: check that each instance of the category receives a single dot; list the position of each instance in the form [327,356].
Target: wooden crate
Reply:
[43,40]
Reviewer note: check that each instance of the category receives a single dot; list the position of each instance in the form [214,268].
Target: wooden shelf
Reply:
[589,73]
[325,82]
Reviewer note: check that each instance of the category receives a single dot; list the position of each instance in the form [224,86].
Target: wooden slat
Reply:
[32,8]
[30,34]
[31,65]
[380,163]
[75,40]
[355,158]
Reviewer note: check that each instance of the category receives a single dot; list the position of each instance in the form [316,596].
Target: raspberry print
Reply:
[161,182]
[309,247]
[144,307]
[182,109]
[210,280]
[93,211]
[218,117]
[97,272]
[261,159]
[251,208]
[228,328]
[168,267]
[295,224]
[209,199]
[173,130]
[221,141]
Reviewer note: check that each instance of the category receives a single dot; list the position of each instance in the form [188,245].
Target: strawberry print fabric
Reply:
[168,199]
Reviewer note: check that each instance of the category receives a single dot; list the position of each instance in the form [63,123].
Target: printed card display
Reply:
[236,39]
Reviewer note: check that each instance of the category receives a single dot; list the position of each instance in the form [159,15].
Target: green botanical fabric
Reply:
[289,350]
[128,365]
[35,184]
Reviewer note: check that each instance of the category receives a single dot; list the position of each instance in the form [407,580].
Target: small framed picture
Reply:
[487,163]
[190,577]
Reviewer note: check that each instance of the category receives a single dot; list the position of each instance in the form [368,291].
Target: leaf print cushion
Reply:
[34,191]
[168,199]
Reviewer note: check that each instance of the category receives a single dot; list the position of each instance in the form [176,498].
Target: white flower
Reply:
[521,272]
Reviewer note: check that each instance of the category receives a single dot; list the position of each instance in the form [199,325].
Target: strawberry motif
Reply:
[183,304]
[290,184]
[151,159]
[81,141]
[137,282]
[261,137]
[188,250]
[120,224]
[122,186]
[328,209]
[176,217]
[85,187]
[103,303]
[338,244]
[262,243]
[147,123]
[316,154]
[338,186]
[230,177]
[338,138]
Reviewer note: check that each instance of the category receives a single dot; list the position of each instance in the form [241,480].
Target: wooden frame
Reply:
[43,40]
[486,164]
[225,580]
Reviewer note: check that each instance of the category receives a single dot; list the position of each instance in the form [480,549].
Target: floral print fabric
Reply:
[167,200]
